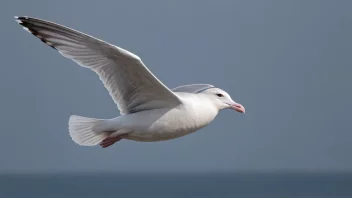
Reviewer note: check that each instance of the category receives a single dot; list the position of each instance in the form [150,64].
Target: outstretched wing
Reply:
[129,82]
[193,88]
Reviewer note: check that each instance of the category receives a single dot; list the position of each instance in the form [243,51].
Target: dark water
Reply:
[176,185]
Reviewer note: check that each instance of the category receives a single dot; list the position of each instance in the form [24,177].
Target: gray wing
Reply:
[129,82]
[193,88]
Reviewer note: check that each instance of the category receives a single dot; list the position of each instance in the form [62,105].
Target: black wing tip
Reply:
[21,19]
[26,26]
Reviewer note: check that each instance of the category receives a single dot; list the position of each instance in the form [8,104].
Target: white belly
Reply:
[165,124]
[168,126]
[154,136]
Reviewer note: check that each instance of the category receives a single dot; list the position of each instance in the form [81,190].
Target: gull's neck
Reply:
[200,108]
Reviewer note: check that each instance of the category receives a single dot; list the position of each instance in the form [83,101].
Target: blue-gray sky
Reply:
[287,61]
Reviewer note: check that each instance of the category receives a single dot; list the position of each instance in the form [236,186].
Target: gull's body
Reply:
[149,110]
[166,123]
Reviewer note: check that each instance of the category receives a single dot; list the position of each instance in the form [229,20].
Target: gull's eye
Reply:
[220,95]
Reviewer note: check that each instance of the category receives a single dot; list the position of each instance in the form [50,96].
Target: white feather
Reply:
[83,130]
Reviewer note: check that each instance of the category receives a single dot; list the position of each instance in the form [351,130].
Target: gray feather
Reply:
[192,88]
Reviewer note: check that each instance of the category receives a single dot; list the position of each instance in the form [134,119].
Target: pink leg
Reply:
[109,141]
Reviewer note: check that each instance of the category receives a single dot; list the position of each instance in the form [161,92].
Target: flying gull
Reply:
[149,110]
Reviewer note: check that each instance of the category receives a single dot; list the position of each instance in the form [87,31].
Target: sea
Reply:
[177,185]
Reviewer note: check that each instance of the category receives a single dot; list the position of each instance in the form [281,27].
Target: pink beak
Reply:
[239,108]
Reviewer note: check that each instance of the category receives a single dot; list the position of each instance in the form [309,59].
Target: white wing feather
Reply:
[131,85]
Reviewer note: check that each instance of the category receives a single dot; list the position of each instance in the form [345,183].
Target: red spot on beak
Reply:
[239,108]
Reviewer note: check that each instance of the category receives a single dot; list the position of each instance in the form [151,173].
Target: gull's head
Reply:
[222,100]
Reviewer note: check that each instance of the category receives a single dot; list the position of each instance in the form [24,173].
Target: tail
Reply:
[83,130]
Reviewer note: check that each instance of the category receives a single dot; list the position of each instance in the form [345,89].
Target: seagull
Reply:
[149,110]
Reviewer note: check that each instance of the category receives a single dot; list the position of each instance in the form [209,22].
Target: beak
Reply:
[238,107]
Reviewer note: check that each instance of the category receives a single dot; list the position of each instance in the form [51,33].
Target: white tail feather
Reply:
[82,130]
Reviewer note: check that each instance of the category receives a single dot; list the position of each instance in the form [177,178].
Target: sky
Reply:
[287,61]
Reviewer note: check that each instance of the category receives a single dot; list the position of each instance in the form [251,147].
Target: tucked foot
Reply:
[110,141]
